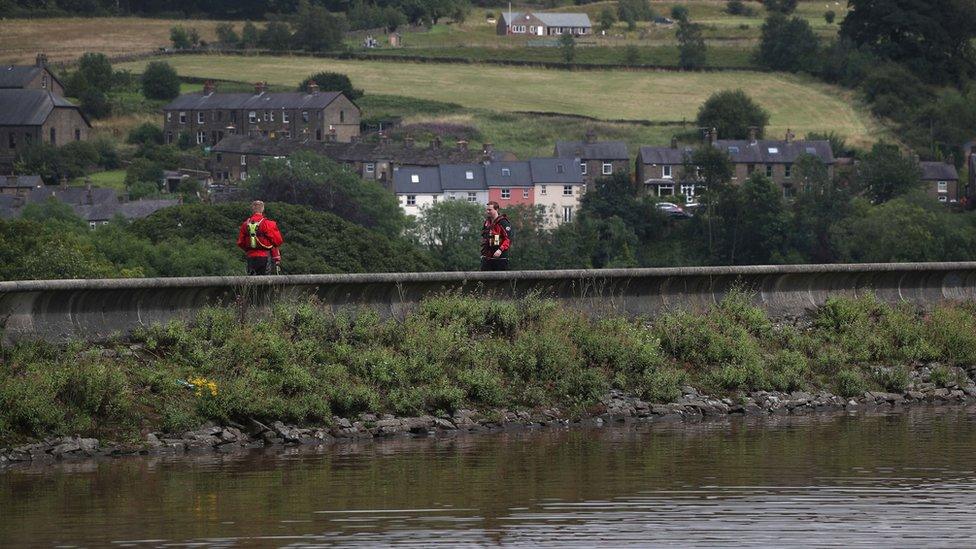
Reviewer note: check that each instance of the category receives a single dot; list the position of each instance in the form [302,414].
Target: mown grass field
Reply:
[795,102]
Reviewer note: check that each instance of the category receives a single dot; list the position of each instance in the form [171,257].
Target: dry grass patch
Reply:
[795,102]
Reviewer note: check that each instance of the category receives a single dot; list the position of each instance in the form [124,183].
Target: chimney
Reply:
[488,149]
[408,142]
[753,133]
[64,182]
[258,88]
[712,136]
[313,87]
[41,60]
[462,145]
[789,135]
[435,143]
[209,87]
[674,142]
[90,197]
[590,136]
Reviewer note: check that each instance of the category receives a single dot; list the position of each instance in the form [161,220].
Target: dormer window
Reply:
[415,178]
[773,150]
[811,150]
[559,168]
[506,172]
[469,175]
[733,150]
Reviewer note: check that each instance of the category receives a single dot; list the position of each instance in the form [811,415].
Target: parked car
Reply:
[673,210]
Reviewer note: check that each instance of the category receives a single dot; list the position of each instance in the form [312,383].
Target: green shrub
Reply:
[483,385]
[787,370]
[850,383]
[893,379]
[941,376]
[661,385]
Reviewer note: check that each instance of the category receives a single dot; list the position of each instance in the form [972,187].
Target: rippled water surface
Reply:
[904,480]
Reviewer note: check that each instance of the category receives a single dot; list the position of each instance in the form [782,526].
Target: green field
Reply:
[795,102]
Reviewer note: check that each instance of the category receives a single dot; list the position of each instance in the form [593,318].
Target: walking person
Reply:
[260,239]
[496,239]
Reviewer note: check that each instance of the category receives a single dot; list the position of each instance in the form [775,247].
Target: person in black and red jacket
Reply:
[260,239]
[495,239]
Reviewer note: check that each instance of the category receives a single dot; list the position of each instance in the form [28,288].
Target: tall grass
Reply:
[302,364]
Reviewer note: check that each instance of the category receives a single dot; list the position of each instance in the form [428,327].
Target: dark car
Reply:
[672,210]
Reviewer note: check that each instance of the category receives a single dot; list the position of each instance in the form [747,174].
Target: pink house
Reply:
[510,183]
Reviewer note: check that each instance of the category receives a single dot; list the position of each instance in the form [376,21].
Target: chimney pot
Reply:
[435,143]
[313,87]
[712,136]
[209,87]
[258,88]
[41,60]
[753,132]
[462,145]
[674,142]
[590,136]
[789,135]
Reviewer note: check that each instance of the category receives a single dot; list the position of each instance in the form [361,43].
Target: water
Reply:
[896,480]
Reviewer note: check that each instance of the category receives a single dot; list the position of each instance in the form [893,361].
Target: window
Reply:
[666,172]
[220,157]
[567,214]
[469,175]
[200,116]
[665,190]
[182,117]
[169,117]
[243,160]
[411,200]
[219,115]
[318,134]
[567,190]
[77,134]
[542,190]
[506,194]
[243,175]
[733,150]
[44,82]
[525,193]
[559,168]
[583,168]
[773,150]
[92,225]
[201,138]
[688,190]
[415,178]
[769,170]
[518,28]
[252,117]
[12,140]
[54,137]
[28,138]
[607,168]
[943,198]
[269,115]
[811,150]
[943,187]
[304,116]
[342,116]
[265,116]
[787,191]
[506,172]
[284,117]
[750,168]
[169,137]
[789,170]
[233,116]
[370,167]
[472,197]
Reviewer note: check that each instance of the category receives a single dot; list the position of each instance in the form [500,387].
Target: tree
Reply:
[885,173]
[819,204]
[96,70]
[276,36]
[732,113]
[710,167]
[145,133]
[95,104]
[143,170]
[680,13]
[567,45]
[226,34]
[451,232]
[316,29]
[738,7]
[632,11]
[892,90]
[631,54]
[249,35]
[933,39]
[691,45]
[829,17]
[788,45]
[784,7]
[332,81]
[607,19]
[160,81]
[180,37]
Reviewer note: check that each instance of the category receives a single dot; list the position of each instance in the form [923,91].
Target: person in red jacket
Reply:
[260,239]
[495,239]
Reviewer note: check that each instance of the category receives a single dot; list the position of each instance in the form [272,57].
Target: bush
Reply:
[738,7]
[160,81]
[146,133]
[332,81]
[95,104]
[829,17]
[893,379]
[732,113]
[850,384]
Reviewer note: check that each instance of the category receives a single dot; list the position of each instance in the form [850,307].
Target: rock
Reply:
[88,444]
[448,426]
[256,428]
[153,441]
[343,423]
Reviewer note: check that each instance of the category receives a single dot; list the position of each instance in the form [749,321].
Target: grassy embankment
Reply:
[491,97]
[304,365]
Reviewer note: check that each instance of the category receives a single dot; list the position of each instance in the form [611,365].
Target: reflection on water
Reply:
[896,480]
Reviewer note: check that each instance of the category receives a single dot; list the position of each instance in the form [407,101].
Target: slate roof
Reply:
[553,19]
[73,195]
[266,100]
[428,180]
[100,205]
[137,209]
[599,150]
[454,177]
[21,181]
[938,171]
[663,155]
[547,170]
[764,151]
[520,174]
[29,107]
[9,206]
[18,76]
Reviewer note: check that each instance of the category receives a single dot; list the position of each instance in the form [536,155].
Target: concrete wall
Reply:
[61,309]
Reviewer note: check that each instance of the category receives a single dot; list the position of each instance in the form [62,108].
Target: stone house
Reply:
[543,24]
[597,158]
[36,116]
[662,171]
[510,183]
[209,116]
[558,188]
[31,77]
[19,185]
[97,206]
[941,181]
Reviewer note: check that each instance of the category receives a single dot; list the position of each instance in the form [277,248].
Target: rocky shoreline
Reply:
[615,407]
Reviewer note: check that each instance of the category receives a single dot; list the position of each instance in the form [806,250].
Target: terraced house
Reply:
[209,116]
[29,116]
[597,158]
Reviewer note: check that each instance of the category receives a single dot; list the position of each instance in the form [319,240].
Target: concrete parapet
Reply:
[94,309]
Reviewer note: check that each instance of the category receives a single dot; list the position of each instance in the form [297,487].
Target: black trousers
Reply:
[259,265]
[494,263]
